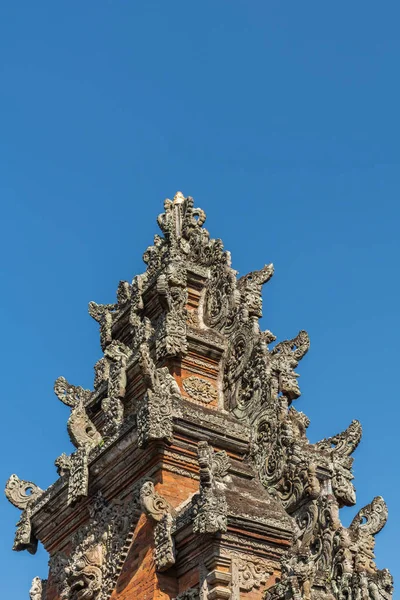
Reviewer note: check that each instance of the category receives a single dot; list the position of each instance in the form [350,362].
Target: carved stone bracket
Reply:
[22,494]
[158,509]
[154,417]
[211,507]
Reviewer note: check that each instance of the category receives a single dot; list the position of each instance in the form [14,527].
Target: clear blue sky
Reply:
[281,119]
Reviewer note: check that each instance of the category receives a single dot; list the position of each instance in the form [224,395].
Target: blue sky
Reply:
[281,120]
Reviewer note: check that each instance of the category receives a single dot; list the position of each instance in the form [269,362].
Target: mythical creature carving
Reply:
[63,465]
[98,550]
[250,287]
[171,287]
[38,589]
[113,408]
[284,358]
[211,508]
[154,417]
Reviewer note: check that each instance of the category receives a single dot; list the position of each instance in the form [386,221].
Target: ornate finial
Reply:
[179,198]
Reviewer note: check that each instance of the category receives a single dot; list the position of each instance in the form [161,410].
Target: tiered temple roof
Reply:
[192,476]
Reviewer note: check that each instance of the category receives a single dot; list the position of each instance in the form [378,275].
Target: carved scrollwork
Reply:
[71,395]
[21,493]
[154,505]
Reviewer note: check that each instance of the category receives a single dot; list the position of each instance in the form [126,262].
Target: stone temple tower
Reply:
[192,476]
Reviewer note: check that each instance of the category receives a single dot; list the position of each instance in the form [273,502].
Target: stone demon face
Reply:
[85,575]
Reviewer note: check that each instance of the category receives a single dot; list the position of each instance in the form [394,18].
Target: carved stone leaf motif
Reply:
[21,493]
[200,389]
[71,395]
[344,443]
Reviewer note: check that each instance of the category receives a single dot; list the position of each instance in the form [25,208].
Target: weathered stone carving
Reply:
[211,507]
[156,507]
[78,482]
[84,574]
[112,405]
[285,357]
[103,314]
[98,550]
[38,589]
[164,551]
[83,434]
[25,538]
[21,493]
[154,417]
[250,287]
[171,331]
[250,572]
[81,430]
[200,389]
[63,465]
[152,503]
[71,395]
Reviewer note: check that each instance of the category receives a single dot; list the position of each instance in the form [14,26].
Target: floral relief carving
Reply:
[200,389]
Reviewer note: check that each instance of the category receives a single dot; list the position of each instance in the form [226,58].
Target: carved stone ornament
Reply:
[154,417]
[200,389]
[158,509]
[250,573]
[189,312]
[25,538]
[211,508]
[99,549]
[21,493]
[81,430]
[78,482]
[38,589]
